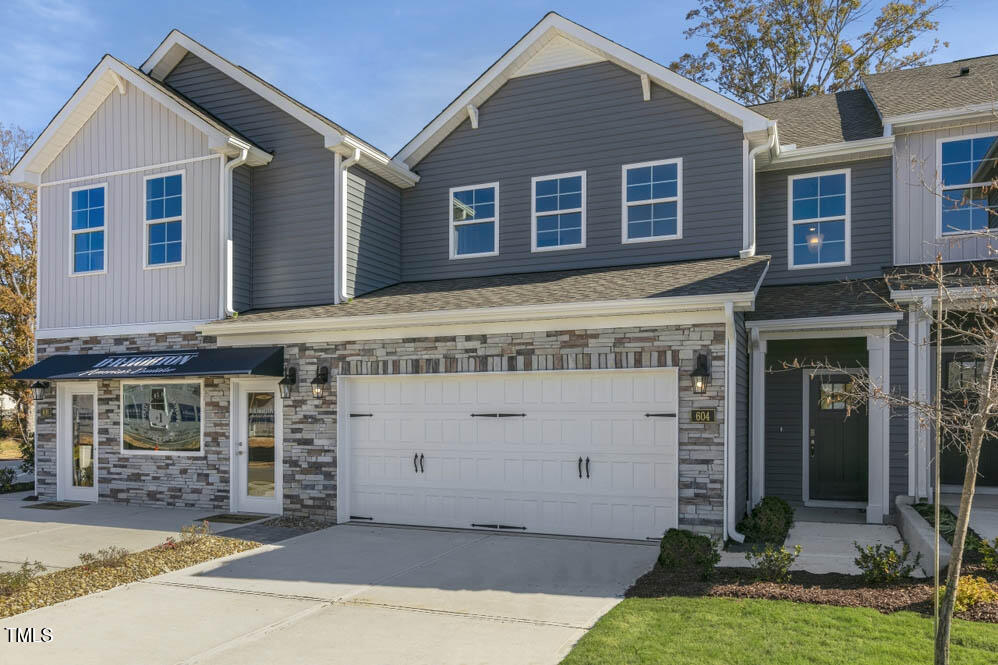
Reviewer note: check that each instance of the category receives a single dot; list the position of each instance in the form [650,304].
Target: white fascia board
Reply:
[925,117]
[152,328]
[880,320]
[478,315]
[878,146]
[955,293]
[372,158]
[553,24]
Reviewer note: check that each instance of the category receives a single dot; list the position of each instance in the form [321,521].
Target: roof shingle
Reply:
[935,87]
[833,118]
[867,296]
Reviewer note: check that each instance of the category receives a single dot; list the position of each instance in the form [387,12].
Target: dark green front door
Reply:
[837,443]
[961,368]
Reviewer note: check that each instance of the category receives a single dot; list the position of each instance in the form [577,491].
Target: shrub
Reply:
[684,549]
[194,534]
[17,579]
[970,591]
[772,564]
[108,557]
[769,522]
[989,555]
[882,563]
[7,477]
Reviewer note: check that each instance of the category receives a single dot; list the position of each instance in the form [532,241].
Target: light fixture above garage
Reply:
[701,374]
[38,389]
[319,382]
[288,383]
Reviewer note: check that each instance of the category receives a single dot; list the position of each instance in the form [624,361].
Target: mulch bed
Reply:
[826,589]
[300,523]
[62,585]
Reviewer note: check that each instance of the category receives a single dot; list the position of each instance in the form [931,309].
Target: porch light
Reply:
[701,374]
[38,389]
[320,380]
[288,383]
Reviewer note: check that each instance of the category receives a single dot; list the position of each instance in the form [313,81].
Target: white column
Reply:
[758,417]
[878,349]
[923,387]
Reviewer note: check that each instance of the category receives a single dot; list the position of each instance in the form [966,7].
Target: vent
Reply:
[965,71]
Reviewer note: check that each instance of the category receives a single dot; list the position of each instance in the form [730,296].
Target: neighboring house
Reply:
[552,310]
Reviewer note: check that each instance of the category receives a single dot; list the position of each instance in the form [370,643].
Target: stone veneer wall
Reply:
[310,424]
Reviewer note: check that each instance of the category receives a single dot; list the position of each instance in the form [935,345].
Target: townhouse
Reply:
[582,300]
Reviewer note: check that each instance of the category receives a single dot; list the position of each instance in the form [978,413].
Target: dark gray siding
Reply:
[784,460]
[242,238]
[899,417]
[588,118]
[374,234]
[871,183]
[741,416]
[292,197]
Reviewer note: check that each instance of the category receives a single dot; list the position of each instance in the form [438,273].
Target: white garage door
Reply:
[589,453]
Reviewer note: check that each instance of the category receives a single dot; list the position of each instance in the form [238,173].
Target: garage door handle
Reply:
[587,467]
[580,467]
[422,469]
[498,415]
[415,460]
[660,415]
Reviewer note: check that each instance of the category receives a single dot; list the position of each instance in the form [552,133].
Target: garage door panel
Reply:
[521,471]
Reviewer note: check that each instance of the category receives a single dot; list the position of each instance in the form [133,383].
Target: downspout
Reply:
[341,226]
[769,145]
[227,169]
[730,414]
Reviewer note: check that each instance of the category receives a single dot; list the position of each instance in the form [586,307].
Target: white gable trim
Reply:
[551,27]
[109,75]
[177,44]
[557,53]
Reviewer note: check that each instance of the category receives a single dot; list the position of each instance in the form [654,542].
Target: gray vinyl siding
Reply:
[870,182]
[374,234]
[590,118]
[242,238]
[917,199]
[741,416]
[292,197]
[899,417]
[130,131]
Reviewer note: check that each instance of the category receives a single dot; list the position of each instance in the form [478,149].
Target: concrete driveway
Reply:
[58,537]
[355,595]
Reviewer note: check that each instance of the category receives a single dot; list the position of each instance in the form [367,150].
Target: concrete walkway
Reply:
[983,513]
[352,595]
[58,537]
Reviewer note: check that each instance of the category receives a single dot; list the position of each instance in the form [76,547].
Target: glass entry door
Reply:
[257,442]
[77,442]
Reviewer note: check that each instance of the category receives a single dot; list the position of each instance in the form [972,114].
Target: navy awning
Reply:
[256,360]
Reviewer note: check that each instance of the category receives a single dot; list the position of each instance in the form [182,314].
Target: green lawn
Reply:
[9,449]
[726,631]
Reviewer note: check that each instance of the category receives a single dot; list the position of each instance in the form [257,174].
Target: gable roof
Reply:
[176,45]
[109,75]
[904,93]
[833,118]
[556,27]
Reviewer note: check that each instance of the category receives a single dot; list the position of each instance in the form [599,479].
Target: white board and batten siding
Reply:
[421,457]
[917,198]
[130,132]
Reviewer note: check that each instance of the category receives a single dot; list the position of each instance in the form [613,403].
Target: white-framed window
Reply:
[164,220]
[968,168]
[818,211]
[88,221]
[558,211]
[162,417]
[474,225]
[651,201]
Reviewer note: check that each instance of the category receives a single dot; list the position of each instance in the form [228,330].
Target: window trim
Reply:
[200,452]
[847,218]
[74,232]
[678,198]
[182,219]
[452,227]
[940,234]
[533,212]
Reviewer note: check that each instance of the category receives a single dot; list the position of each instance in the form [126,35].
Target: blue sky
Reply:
[380,69]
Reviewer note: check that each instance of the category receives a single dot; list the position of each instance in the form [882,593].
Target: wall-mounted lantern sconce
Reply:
[319,382]
[701,374]
[288,383]
[38,389]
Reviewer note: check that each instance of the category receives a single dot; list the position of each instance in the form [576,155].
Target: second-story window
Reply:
[473,221]
[652,201]
[968,168]
[819,219]
[164,220]
[87,224]
[558,219]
